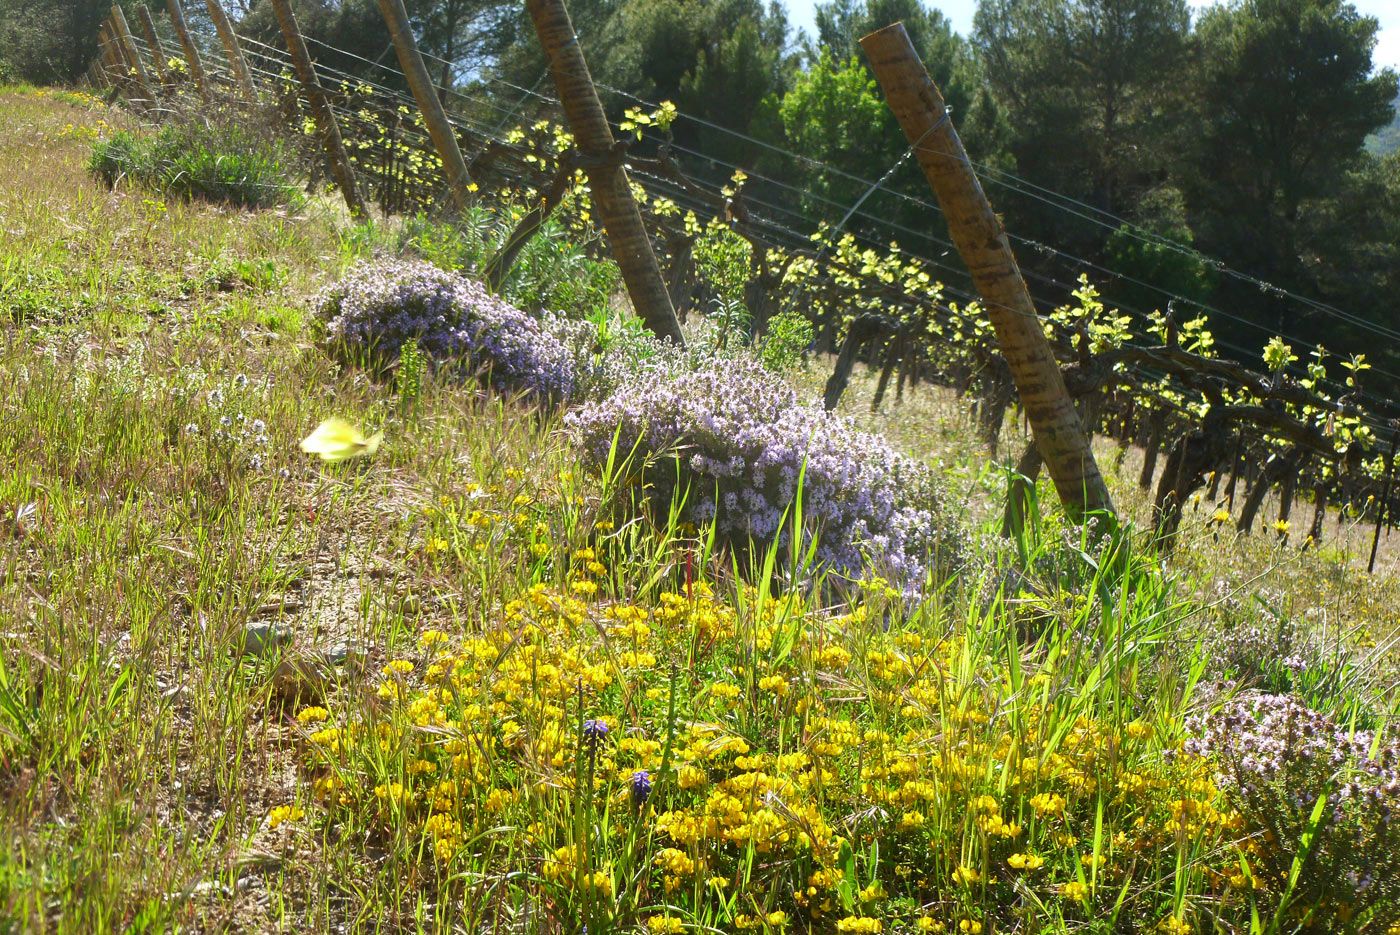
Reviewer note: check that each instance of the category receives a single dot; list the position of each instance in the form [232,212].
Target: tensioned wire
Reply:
[344,113]
[242,181]
[1020,185]
[1036,245]
[798,238]
[678,193]
[1246,353]
[987,169]
[996,176]
[1030,189]
[852,210]
[706,208]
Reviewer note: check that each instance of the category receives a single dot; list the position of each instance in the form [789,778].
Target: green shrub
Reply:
[789,335]
[227,164]
[553,271]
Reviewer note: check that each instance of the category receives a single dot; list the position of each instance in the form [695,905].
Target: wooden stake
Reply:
[439,128]
[113,67]
[982,242]
[326,125]
[148,26]
[1385,497]
[177,17]
[607,179]
[235,54]
[130,53]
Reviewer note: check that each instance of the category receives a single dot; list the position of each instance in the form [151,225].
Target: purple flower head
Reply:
[737,437]
[641,787]
[382,304]
[594,730]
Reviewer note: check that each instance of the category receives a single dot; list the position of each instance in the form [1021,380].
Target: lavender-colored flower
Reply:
[1277,757]
[382,304]
[739,439]
[594,730]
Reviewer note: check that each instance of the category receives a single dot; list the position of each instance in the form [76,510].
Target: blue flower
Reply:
[739,438]
[594,730]
[641,787]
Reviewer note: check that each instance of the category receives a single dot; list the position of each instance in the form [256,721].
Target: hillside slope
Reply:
[463,685]
[1386,140]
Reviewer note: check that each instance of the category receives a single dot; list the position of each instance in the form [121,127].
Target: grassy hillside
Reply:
[462,685]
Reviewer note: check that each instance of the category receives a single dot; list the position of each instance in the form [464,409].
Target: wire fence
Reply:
[1231,417]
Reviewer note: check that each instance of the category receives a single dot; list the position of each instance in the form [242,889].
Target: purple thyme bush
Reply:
[737,437]
[382,304]
[1277,758]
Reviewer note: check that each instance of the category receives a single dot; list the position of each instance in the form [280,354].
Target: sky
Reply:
[960,12]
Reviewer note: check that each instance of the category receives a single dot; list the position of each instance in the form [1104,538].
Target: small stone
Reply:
[339,654]
[259,639]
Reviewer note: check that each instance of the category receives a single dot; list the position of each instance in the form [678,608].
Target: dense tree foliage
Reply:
[1091,97]
[1134,137]
[1285,99]
[50,40]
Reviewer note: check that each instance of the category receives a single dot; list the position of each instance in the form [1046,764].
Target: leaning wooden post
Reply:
[129,50]
[118,71]
[111,62]
[235,54]
[440,129]
[982,242]
[607,179]
[326,125]
[148,26]
[1385,496]
[177,18]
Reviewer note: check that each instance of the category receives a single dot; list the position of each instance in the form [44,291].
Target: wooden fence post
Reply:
[111,62]
[439,127]
[235,54]
[326,125]
[607,179]
[1381,507]
[982,242]
[177,18]
[130,53]
[148,26]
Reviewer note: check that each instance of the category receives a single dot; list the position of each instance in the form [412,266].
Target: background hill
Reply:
[1387,139]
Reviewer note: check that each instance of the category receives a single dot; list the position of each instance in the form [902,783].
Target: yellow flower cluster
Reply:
[656,751]
[284,813]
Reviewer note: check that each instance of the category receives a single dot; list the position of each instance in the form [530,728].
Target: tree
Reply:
[741,64]
[52,41]
[1386,140]
[457,37]
[1092,88]
[951,62]
[463,35]
[1286,99]
[1155,256]
[723,61]
[834,114]
[1350,249]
